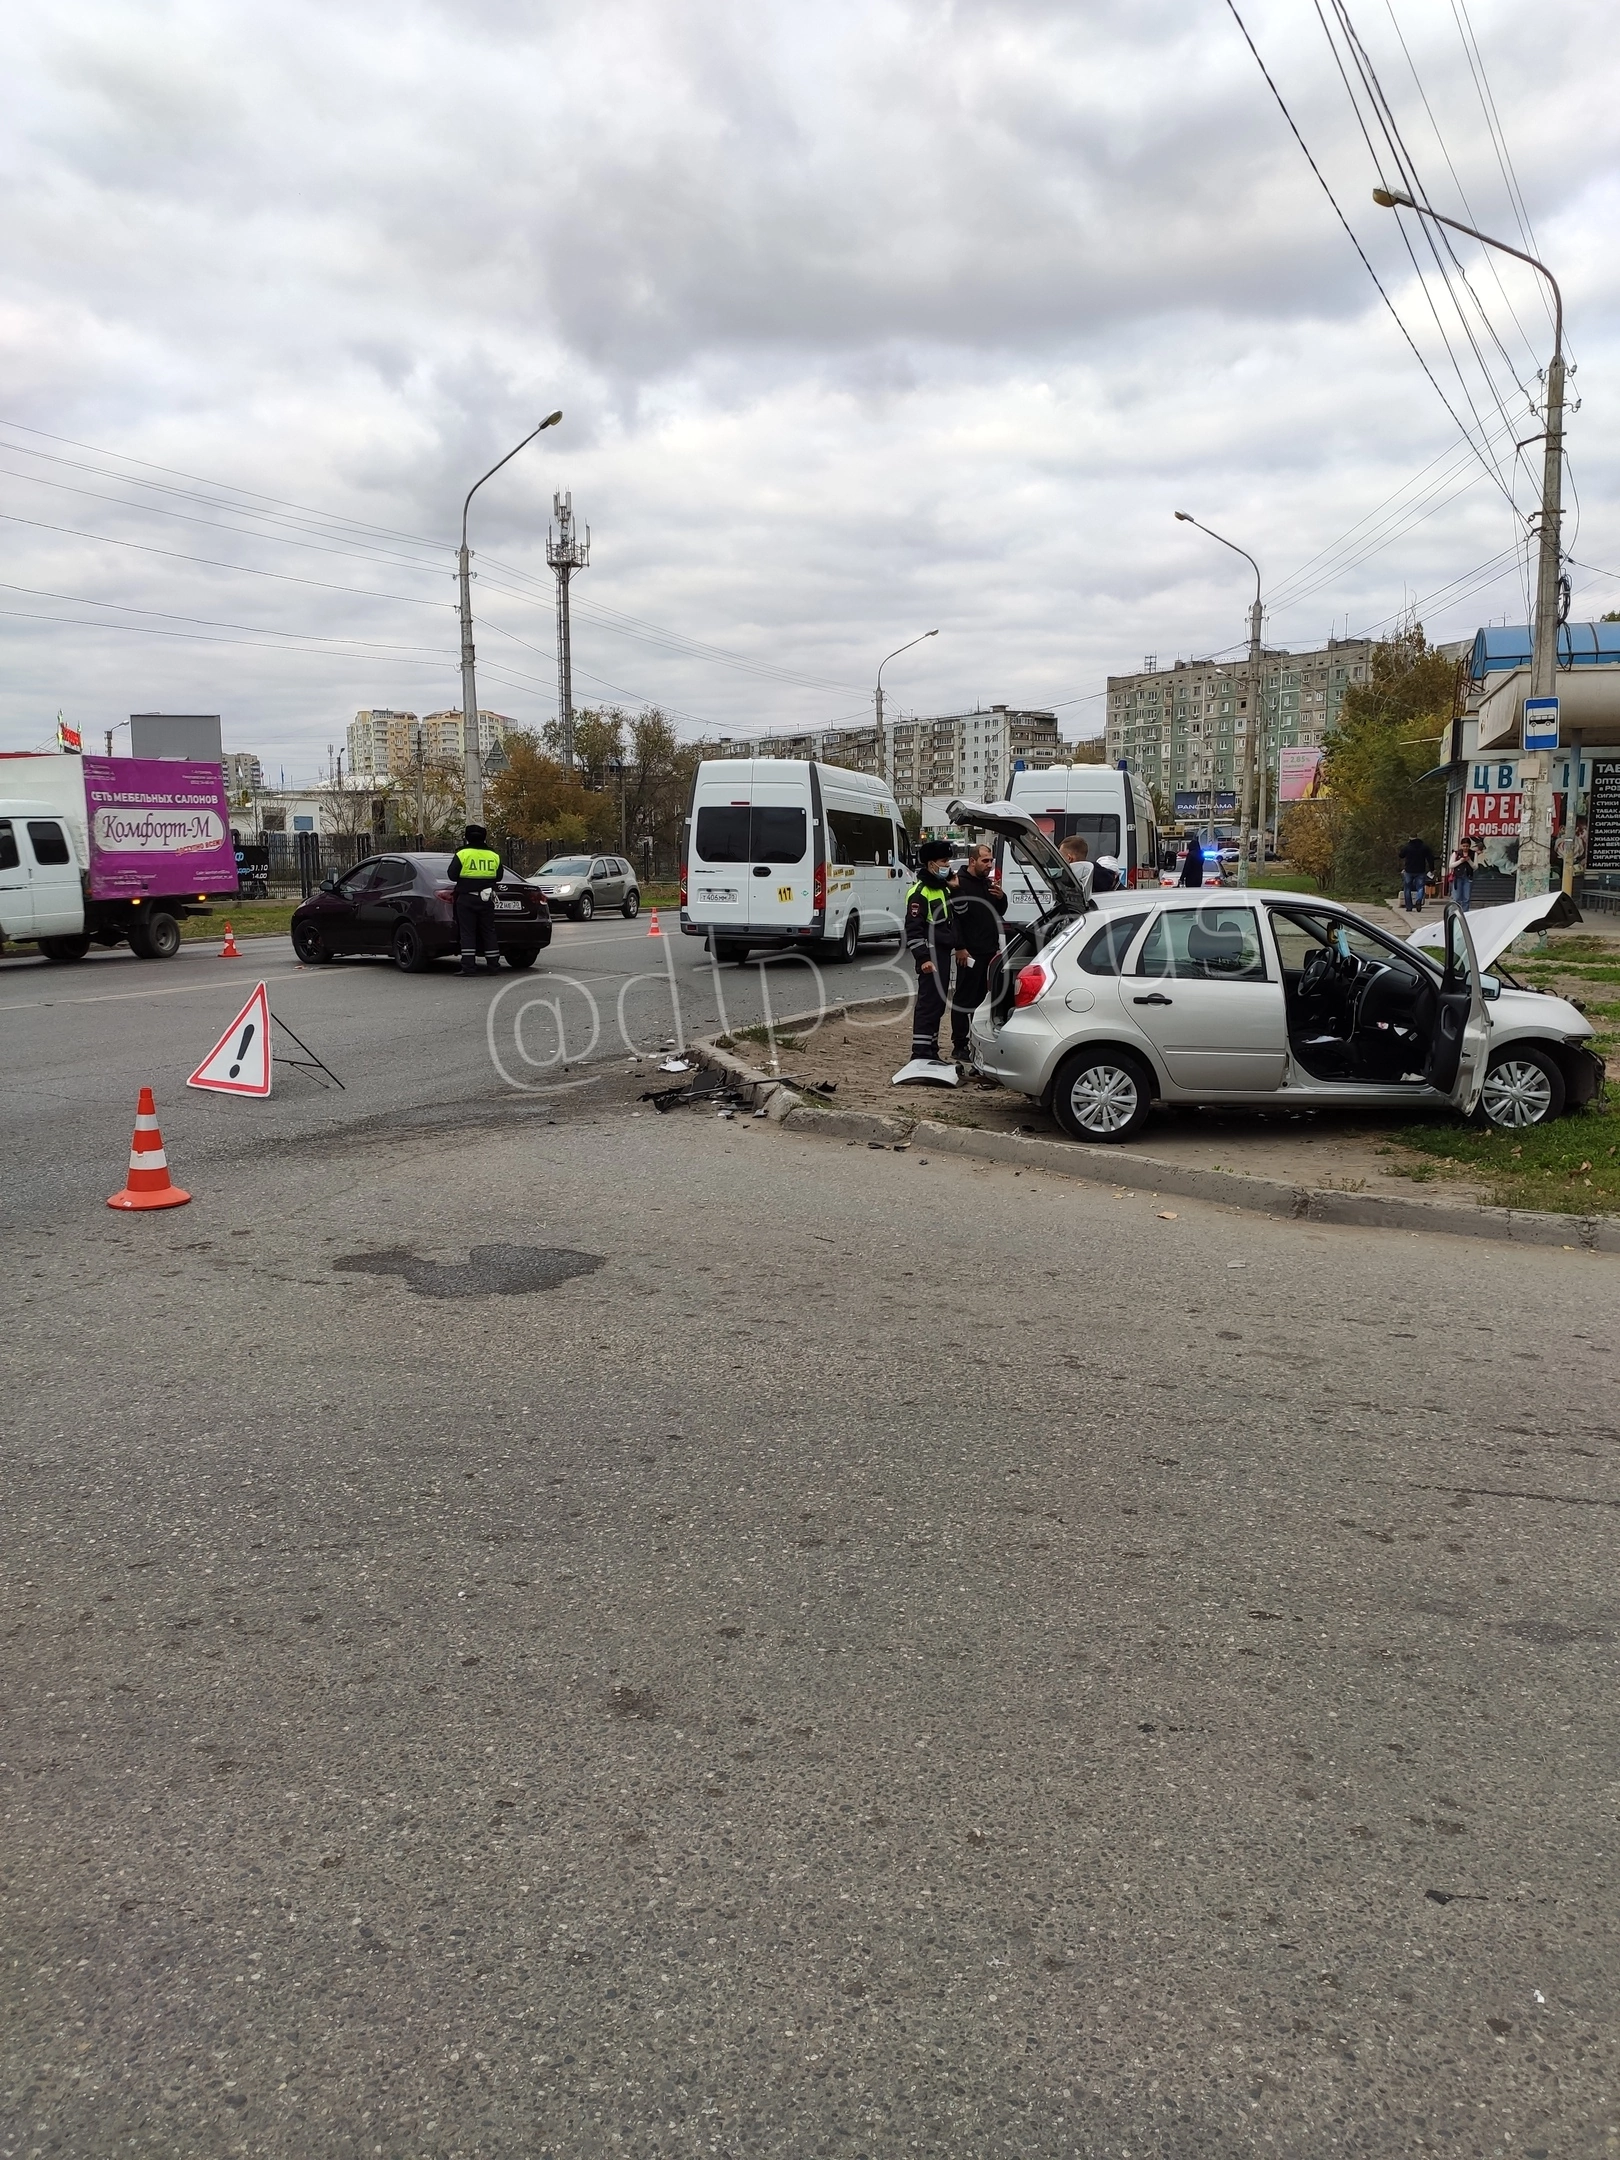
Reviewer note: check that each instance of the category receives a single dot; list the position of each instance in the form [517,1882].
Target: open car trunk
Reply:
[1067,887]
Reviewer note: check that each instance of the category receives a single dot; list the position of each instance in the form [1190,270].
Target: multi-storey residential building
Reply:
[444,735]
[1184,729]
[383,744]
[243,773]
[972,754]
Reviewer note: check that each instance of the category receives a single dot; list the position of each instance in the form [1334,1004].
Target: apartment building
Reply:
[383,744]
[1184,728]
[243,773]
[972,754]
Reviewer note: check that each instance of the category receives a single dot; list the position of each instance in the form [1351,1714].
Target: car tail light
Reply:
[1032,980]
[445,892]
[818,898]
[683,884]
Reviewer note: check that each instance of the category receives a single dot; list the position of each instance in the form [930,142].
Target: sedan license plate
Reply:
[509,907]
[721,893]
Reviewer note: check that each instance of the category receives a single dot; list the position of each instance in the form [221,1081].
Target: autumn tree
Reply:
[536,798]
[1389,736]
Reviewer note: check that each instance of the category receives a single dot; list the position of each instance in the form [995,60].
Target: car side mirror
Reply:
[328,884]
[1490,986]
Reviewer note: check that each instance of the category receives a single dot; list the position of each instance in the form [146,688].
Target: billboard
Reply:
[1299,775]
[1206,802]
[156,825]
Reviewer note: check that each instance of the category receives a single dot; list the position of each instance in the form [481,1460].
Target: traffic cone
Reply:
[228,950]
[652,924]
[147,1185]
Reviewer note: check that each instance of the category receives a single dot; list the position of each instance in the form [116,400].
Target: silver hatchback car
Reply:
[1265,997]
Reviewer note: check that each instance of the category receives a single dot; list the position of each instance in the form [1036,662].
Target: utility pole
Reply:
[1535,801]
[877,695]
[473,763]
[566,554]
[1251,735]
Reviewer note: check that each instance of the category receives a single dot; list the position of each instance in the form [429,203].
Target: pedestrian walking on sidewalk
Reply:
[475,871]
[931,935]
[1417,861]
[978,905]
[1462,874]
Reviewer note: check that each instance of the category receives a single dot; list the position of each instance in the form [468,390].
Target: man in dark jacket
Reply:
[931,939]
[1416,860]
[1192,870]
[475,871]
[978,906]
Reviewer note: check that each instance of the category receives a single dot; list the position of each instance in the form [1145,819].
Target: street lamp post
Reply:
[884,766]
[1535,819]
[474,764]
[1251,735]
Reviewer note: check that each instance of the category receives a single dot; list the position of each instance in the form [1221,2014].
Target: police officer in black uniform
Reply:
[931,939]
[475,871]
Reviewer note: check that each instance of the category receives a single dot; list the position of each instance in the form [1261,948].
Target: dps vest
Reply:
[935,898]
[478,862]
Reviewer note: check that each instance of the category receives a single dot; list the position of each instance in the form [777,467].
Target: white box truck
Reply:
[109,851]
[788,853]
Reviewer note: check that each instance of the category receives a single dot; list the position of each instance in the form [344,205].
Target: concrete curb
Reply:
[1119,1166]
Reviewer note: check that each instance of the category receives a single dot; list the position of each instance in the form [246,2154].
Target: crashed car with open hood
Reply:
[1251,997]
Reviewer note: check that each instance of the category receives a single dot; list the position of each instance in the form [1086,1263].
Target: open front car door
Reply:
[1460,1045]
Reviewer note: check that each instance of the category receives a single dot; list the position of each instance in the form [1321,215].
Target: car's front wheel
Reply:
[411,955]
[1102,1095]
[309,945]
[1523,1087]
[583,909]
[632,905]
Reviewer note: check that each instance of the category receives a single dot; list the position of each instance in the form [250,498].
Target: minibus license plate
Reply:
[720,893]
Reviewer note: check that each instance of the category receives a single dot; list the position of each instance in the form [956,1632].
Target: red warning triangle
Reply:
[239,1063]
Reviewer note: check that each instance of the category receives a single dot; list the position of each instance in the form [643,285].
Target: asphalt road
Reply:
[77,1043]
[879,1657]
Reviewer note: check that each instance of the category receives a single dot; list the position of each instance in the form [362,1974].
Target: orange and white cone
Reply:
[652,924]
[228,950]
[148,1185]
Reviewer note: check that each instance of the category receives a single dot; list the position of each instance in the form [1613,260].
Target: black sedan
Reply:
[404,906]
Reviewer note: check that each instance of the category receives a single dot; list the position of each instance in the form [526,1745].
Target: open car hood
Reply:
[1070,882]
[1493,929]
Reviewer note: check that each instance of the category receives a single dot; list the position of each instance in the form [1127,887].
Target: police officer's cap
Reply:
[932,850]
[475,836]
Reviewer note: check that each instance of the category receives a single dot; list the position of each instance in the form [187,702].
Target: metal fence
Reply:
[299,860]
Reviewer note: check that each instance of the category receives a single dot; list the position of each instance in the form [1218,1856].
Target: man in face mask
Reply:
[931,940]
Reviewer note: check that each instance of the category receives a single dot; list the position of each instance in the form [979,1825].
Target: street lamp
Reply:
[1246,821]
[1535,821]
[469,688]
[882,664]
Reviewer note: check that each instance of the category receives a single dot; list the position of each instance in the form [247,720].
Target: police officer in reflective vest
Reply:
[475,871]
[931,939]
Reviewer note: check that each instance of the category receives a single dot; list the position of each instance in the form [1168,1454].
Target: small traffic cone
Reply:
[147,1185]
[652,925]
[228,950]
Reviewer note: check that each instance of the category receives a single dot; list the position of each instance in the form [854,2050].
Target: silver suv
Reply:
[580,884]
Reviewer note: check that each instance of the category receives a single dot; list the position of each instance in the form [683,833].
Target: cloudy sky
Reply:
[864,318]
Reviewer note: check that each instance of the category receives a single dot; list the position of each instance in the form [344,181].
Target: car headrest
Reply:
[1215,942]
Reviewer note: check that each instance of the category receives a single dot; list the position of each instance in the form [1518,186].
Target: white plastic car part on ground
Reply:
[1493,929]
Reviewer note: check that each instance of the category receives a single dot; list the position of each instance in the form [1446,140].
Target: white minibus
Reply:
[790,853]
[1107,808]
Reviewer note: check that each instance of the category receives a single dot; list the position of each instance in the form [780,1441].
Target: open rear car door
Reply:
[1460,1044]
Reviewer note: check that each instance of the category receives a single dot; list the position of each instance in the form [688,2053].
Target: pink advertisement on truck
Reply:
[157,825]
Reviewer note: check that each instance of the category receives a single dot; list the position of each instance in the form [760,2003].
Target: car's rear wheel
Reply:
[1102,1095]
[309,945]
[411,954]
[64,948]
[583,909]
[728,949]
[520,956]
[848,944]
[1523,1087]
[632,905]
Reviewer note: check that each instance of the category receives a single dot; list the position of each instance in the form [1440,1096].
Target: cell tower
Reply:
[566,554]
